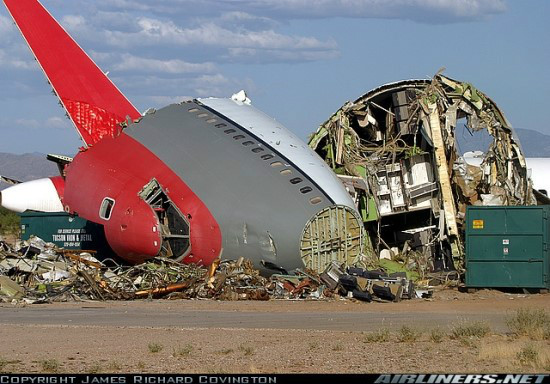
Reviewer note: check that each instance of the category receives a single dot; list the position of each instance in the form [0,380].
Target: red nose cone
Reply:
[133,230]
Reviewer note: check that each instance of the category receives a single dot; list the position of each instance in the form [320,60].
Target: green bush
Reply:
[10,222]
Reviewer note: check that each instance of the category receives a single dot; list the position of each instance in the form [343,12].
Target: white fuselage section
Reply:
[285,142]
[538,169]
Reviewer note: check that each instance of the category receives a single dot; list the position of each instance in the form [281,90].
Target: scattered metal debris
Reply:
[368,285]
[395,150]
[39,272]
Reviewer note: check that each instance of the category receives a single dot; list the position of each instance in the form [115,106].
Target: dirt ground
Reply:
[169,336]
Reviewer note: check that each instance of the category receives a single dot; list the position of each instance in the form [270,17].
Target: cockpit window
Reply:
[106,208]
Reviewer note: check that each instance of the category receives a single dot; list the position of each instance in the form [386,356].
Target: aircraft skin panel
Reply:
[130,231]
[92,101]
[260,212]
[285,142]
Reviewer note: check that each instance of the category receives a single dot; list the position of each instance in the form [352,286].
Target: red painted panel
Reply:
[59,184]
[93,102]
[92,176]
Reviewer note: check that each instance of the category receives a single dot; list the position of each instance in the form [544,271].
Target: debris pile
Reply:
[395,150]
[39,272]
[365,285]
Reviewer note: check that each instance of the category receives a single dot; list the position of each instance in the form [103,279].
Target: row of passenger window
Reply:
[266,157]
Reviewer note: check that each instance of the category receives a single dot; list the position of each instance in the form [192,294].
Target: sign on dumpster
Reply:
[64,230]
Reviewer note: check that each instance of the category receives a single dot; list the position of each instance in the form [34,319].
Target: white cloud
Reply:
[9,60]
[168,90]
[55,122]
[58,122]
[5,25]
[219,85]
[129,62]
[166,100]
[425,11]
[240,19]
[155,31]
[73,22]
[28,123]
[268,55]
[232,30]
[128,4]
[238,43]
[418,10]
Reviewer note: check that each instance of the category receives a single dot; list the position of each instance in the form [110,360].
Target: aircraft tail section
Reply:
[94,104]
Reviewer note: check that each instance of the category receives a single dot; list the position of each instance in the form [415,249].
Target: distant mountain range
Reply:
[30,166]
[534,143]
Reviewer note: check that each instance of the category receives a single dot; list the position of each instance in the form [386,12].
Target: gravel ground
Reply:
[170,336]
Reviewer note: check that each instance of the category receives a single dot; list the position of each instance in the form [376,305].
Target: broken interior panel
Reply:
[174,227]
[394,149]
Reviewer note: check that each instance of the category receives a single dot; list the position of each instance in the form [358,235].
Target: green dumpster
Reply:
[64,230]
[507,247]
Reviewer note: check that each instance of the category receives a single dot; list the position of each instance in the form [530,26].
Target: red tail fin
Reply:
[93,102]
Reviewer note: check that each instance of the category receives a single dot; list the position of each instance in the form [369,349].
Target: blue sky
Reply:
[298,60]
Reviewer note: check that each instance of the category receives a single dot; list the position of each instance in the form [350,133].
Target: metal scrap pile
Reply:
[368,285]
[395,150]
[39,272]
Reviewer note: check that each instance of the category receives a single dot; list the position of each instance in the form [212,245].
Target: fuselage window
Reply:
[315,200]
[106,208]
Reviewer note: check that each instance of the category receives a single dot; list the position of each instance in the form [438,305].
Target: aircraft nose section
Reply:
[38,195]
[132,230]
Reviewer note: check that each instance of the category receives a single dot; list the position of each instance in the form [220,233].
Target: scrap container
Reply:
[64,230]
[507,247]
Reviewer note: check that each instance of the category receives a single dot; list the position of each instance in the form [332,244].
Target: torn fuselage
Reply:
[395,150]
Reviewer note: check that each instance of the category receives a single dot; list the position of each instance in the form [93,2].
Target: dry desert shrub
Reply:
[408,334]
[517,353]
[436,335]
[380,336]
[50,365]
[474,329]
[155,347]
[533,323]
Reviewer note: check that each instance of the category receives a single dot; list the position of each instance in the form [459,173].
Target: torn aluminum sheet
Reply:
[394,149]
[10,288]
